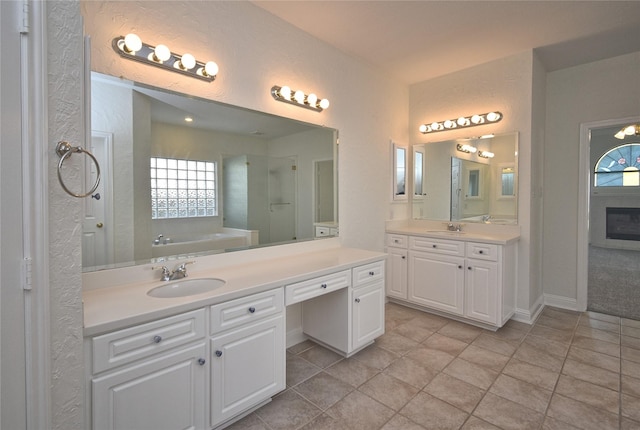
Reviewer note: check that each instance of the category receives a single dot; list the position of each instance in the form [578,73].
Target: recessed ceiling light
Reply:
[188,119]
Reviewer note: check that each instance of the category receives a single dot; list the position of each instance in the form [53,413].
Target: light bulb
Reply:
[449,124]
[462,121]
[312,99]
[211,69]
[299,96]
[285,92]
[187,62]
[188,119]
[620,135]
[493,116]
[423,128]
[630,130]
[476,119]
[435,126]
[161,53]
[132,43]
[324,103]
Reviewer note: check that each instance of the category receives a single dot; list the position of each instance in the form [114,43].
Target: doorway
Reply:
[607,274]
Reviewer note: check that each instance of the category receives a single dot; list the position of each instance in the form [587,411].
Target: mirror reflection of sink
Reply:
[185,287]
[447,232]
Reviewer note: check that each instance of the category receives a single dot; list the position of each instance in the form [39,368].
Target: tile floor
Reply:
[567,371]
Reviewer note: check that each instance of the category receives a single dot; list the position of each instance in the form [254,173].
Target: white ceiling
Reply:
[419,40]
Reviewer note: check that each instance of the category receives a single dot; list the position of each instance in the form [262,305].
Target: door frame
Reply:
[584,202]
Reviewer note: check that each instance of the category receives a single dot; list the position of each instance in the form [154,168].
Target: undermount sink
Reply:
[446,232]
[185,287]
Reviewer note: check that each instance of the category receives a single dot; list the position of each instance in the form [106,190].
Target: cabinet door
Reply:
[437,281]
[397,273]
[160,393]
[482,287]
[367,314]
[247,367]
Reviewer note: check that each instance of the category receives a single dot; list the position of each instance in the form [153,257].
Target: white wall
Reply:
[504,85]
[64,38]
[602,90]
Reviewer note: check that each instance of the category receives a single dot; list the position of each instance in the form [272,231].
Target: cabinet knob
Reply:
[460,266]
[218,353]
[481,252]
[372,273]
[252,309]
[404,258]
[396,241]
[201,361]
[323,285]
[157,339]
[469,267]
[433,246]
[357,300]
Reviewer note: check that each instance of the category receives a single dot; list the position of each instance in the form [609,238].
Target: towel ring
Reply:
[64,150]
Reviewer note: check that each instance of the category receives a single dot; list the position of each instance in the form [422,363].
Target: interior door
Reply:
[97,227]
[282,184]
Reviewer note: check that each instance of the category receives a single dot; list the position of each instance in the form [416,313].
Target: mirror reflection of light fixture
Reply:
[630,130]
[486,154]
[299,98]
[461,122]
[131,47]
[469,149]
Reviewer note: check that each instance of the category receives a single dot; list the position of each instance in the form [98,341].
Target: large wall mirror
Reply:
[467,180]
[183,175]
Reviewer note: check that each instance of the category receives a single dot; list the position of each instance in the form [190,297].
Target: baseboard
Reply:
[529,316]
[561,302]
[295,337]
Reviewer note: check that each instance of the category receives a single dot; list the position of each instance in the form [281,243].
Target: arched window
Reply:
[619,167]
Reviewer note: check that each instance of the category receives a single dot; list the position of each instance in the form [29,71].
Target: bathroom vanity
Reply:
[465,275]
[201,361]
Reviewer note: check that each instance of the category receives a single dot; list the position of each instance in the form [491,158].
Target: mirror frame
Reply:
[334,133]
[491,174]
[399,169]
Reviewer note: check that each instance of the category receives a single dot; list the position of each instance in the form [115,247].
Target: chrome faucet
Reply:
[157,240]
[180,271]
[166,274]
[454,227]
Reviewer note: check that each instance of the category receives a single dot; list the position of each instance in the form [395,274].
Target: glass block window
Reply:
[619,167]
[182,188]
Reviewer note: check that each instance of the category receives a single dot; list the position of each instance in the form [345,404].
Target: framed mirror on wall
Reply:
[470,180]
[191,176]
[399,172]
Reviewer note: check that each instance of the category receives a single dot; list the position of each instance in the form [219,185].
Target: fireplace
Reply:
[623,223]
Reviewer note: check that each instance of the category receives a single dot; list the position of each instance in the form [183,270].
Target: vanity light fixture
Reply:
[299,98]
[461,122]
[131,47]
[486,154]
[630,130]
[469,149]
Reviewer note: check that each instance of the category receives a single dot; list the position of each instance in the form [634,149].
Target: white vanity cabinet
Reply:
[464,278]
[397,269]
[151,376]
[247,353]
[352,315]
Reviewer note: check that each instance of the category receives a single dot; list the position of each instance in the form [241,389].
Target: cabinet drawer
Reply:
[482,251]
[237,312]
[439,246]
[397,240]
[362,275]
[304,290]
[124,346]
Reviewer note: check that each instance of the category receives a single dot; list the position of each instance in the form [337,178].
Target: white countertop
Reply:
[111,308]
[500,238]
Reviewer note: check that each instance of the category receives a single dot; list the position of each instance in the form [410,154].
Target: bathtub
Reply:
[232,238]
